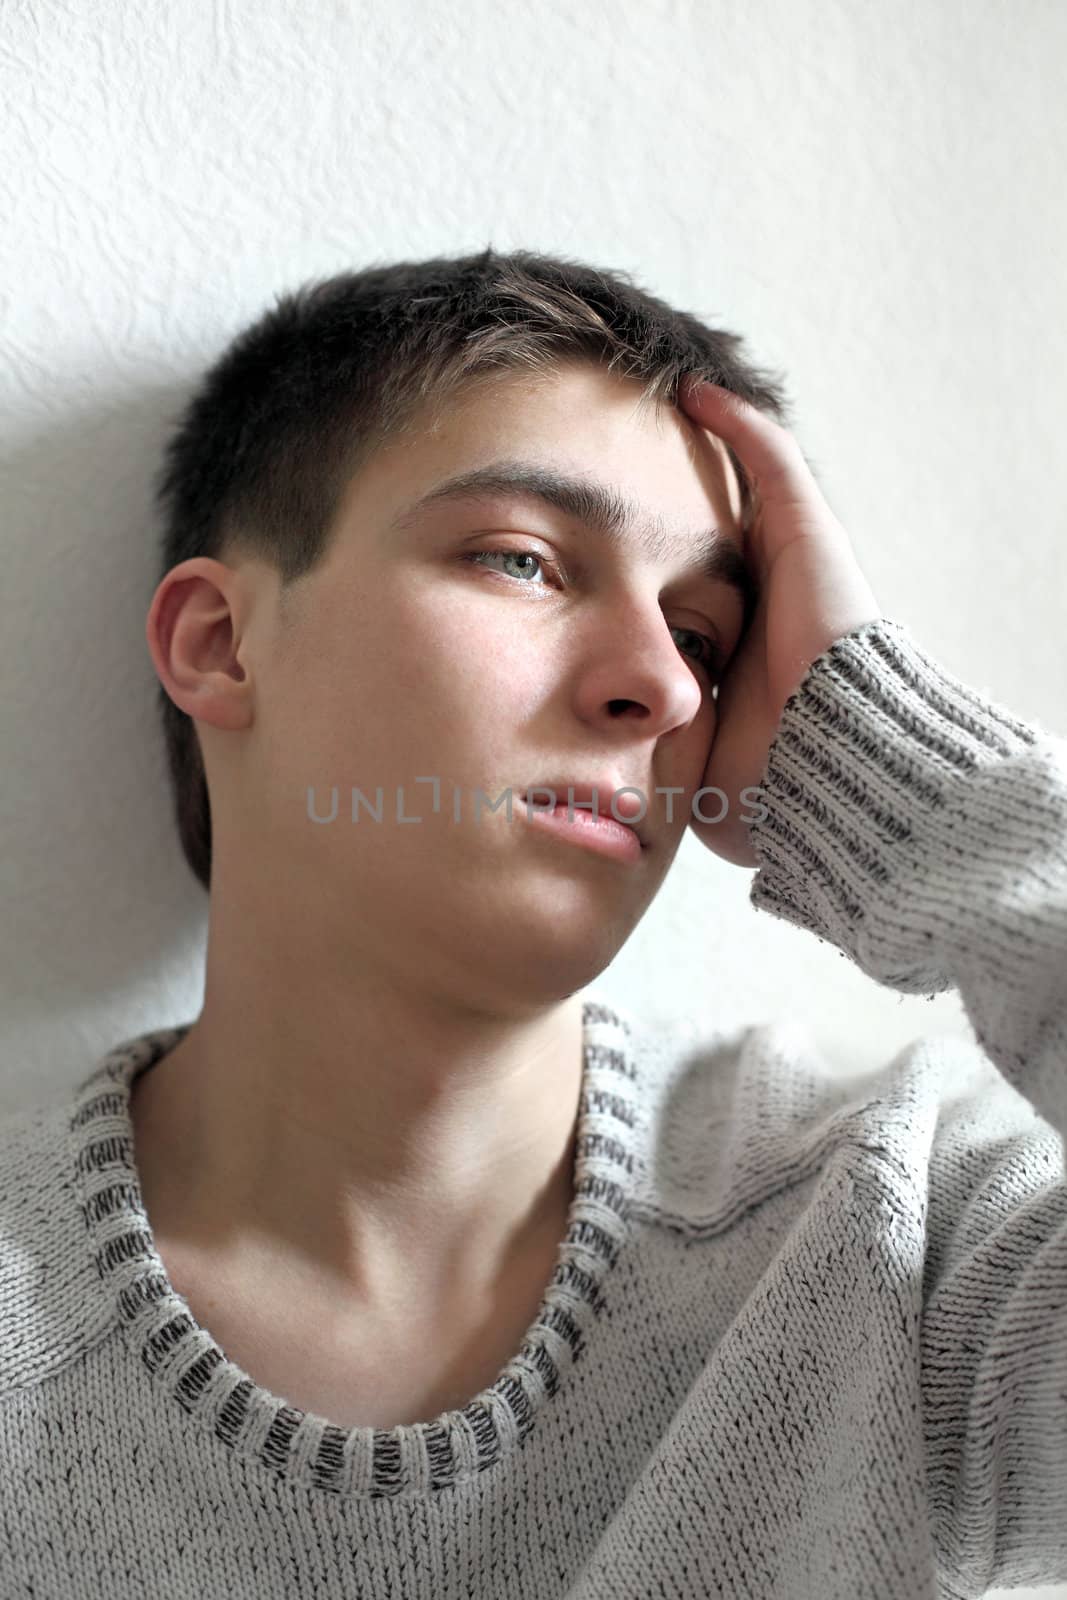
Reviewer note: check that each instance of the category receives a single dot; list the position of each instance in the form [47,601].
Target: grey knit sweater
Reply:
[806,1337]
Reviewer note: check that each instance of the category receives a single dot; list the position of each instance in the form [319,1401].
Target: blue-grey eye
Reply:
[510,555]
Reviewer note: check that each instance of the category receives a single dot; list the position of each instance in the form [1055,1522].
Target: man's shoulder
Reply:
[52,1302]
[724,1105]
[737,1113]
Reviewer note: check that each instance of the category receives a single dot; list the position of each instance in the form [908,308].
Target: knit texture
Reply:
[806,1335]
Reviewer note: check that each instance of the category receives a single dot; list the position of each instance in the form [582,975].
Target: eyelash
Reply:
[712,660]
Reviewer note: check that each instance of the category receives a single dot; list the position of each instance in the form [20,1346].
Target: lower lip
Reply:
[602,834]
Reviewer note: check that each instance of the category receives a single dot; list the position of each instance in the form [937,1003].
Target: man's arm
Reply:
[911,821]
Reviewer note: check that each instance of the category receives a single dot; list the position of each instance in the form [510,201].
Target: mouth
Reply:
[589,806]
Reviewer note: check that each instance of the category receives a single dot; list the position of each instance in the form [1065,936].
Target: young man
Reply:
[409,1267]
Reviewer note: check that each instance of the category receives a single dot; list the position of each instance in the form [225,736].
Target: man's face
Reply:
[562,655]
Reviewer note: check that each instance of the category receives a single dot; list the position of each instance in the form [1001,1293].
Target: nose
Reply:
[636,669]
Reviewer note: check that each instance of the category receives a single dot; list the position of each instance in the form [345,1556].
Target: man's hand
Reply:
[811,592]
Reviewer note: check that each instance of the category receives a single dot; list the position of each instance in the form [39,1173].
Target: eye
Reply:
[521,558]
[709,654]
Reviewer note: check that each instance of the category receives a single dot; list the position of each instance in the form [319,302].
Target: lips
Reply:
[583,793]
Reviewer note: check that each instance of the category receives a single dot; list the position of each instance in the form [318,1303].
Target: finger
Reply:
[769,453]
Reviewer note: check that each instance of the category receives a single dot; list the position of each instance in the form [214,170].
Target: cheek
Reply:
[427,688]
[701,737]
[463,650]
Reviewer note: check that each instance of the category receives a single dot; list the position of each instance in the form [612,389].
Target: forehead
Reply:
[582,448]
[576,420]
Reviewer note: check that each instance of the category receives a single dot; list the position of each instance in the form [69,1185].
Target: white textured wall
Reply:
[874,195]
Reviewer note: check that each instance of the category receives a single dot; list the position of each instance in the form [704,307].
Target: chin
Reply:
[555,956]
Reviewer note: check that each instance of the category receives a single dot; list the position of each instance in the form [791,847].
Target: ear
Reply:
[193,637]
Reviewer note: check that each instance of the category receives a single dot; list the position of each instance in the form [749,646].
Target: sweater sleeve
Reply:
[922,830]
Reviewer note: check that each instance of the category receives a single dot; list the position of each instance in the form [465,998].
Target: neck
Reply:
[362,1141]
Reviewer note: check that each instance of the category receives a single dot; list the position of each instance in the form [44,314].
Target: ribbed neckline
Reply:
[191,1370]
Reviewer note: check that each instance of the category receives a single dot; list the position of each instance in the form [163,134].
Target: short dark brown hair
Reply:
[297,403]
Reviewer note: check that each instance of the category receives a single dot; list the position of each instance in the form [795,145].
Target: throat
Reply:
[358,1369]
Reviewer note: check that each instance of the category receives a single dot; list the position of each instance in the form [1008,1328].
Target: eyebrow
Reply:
[601,508]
